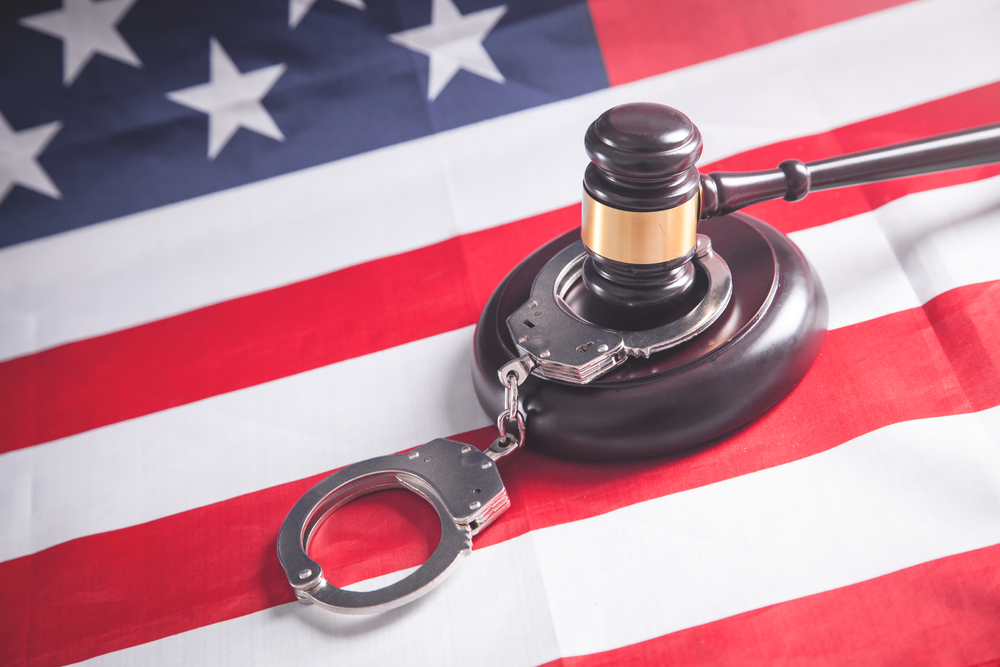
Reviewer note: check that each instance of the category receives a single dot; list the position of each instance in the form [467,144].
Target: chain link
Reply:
[512,375]
[511,413]
[510,396]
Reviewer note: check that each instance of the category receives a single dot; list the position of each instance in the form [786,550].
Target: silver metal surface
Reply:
[501,447]
[512,375]
[458,480]
[511,403]
[566,347]
[520,367]
[517,420]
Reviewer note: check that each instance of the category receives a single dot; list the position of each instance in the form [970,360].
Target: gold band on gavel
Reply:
[640,237]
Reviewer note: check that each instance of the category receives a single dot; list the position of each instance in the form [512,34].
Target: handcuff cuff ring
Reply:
[458,480]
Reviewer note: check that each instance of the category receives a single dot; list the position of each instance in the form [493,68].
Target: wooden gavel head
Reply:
[641,205]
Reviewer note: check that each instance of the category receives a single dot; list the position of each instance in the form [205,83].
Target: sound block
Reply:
[748,360]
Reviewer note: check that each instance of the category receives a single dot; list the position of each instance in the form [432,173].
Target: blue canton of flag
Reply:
[111,107]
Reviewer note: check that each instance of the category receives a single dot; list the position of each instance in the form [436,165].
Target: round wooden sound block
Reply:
[751,357]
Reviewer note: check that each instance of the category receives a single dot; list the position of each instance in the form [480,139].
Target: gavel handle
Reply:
[727,191]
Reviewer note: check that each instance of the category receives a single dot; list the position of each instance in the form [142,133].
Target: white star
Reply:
[85,28]
[297,9]
[18,163]
[453,42]
[231,99]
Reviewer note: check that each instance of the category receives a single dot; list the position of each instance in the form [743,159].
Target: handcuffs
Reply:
[461,482]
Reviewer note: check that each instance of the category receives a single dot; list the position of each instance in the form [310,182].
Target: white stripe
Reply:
[139,470]
[176,258]
[907,252]
[946,238]
[193,455]
[891,499]
[858,268]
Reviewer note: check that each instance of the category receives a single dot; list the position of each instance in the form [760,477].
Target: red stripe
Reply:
[86,597]
[642,38]
[945,612]
[262,337]
[380,304]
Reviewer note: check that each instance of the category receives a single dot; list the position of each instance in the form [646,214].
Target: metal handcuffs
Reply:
[461,482]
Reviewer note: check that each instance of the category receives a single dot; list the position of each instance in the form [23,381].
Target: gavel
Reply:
[671,318]
[644,197]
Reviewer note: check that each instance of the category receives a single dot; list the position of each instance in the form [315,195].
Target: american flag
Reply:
[245,243]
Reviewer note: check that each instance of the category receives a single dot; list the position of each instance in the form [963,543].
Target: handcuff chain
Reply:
[512,375]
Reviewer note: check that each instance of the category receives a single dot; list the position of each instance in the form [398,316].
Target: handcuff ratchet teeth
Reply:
[458,480]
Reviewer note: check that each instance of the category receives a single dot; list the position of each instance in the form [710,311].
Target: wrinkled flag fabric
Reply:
[244,243]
